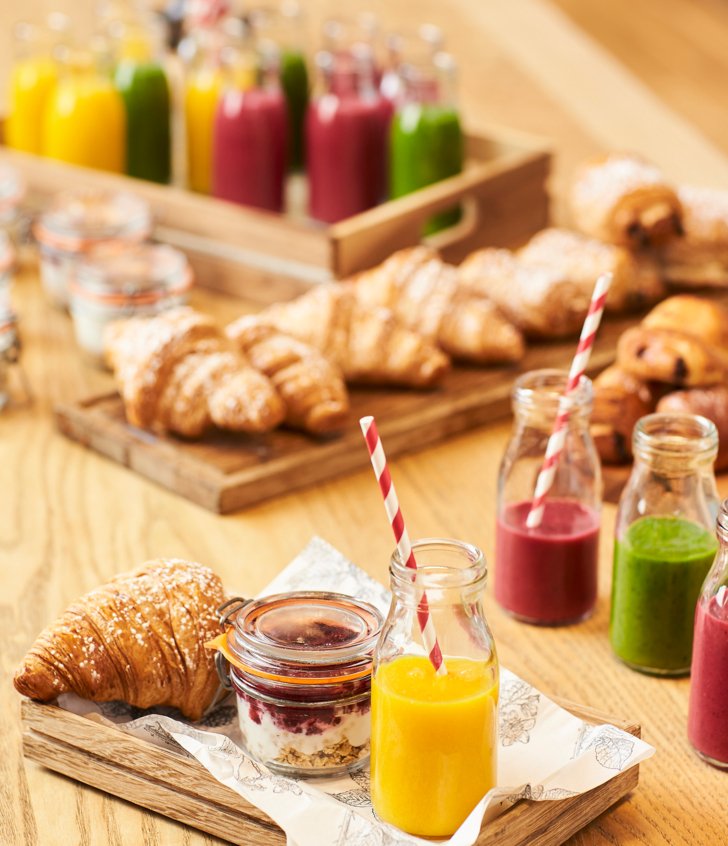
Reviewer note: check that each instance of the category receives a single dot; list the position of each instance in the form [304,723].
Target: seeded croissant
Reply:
[139,639]
[177,372]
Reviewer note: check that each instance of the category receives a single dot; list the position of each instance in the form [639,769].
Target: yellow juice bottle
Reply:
[33,77]
[85,122]
[202,92]
[434,736]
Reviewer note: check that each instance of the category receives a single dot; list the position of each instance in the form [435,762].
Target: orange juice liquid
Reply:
[202,92]
[85,123]
[31,84]
[434,742]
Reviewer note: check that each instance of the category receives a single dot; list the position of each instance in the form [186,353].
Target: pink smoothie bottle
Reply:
[708,709]
[548,575]
[250,138]
[346,140]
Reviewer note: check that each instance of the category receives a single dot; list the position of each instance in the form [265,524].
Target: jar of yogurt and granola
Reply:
[300,666]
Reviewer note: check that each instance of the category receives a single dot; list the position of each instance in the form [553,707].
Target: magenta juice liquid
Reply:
[547,575]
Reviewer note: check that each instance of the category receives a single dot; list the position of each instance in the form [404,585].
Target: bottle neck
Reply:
[675,445]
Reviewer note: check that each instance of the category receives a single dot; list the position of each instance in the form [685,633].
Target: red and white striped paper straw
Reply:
[401,537]
[578,367]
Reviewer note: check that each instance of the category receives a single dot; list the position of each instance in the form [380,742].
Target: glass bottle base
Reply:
[550,624]
[714,762]
[655,671]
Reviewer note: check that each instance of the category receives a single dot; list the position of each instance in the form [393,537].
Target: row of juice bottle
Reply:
[372,130]
[669,609]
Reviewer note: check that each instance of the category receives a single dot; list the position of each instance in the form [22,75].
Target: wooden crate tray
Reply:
[226,472]
[181,788]
[266,257]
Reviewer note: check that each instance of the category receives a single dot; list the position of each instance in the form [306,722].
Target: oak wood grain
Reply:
[70,519]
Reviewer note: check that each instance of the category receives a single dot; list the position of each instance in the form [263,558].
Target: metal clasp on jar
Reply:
[224,613]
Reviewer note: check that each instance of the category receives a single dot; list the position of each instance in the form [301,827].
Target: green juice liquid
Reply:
[145,90]
[426,145]
[294,81]
[659,567]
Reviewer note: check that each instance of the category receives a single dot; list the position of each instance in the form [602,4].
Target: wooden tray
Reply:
[179,787]
[225,472]
[266,257]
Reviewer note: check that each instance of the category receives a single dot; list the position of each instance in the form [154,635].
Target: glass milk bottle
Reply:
[548,574]
[434,737]
[250,137]
[708,710]
[664,543]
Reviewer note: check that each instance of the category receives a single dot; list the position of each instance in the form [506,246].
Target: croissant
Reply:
[425,294]
[636,281]
[139,638]
[623,199]
[177,372]
[542,301]
[367,344]
[311,387]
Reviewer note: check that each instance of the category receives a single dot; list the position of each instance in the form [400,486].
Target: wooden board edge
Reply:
[84,766]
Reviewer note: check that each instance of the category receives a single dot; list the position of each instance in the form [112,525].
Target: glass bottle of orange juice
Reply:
[434,737]
[85,123]
[32,80]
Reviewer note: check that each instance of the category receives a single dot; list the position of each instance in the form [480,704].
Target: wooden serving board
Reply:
[179,787]
[225,472]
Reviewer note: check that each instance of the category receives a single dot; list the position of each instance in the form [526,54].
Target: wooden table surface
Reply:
[70,519]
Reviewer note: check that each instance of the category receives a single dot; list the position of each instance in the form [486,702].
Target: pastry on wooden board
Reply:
[619,401]
[425,294]
[710,402]
[636,281]
[177,372]
[700,257]
[539,300]
[368,344]
[623,199]
[139,638]
[683,342]
[311,386]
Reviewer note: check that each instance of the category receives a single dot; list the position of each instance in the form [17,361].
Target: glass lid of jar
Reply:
[78,218]
[143,271]
[311,627]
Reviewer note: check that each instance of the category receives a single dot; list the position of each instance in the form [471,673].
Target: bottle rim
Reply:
[545,388]
[440,576]
[677,436]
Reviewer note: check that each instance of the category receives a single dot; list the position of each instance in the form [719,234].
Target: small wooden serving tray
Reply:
[179,787]
[225,472]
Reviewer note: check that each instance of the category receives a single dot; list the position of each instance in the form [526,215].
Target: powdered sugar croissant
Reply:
[139,639]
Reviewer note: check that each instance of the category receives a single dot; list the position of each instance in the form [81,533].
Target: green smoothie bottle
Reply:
[426,140]
[141,79]
[664,542]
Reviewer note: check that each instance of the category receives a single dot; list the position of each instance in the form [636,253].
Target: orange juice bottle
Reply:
[434,737]
[32,80]
[84,120]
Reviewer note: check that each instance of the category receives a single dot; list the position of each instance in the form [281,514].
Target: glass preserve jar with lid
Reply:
[664,543]
[12,194]
[708,709]
[300,665]
[81,221]
[111,285]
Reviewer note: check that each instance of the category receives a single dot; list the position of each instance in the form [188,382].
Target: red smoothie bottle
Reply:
[547,575]
[250,142]
[708,709]
[346,133]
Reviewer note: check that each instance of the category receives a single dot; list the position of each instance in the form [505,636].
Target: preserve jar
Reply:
[664,542]
[12,193]
[9,348]
[300,665]
[708,709]
[108,286]
[7,264]
[80,222]
[434,735]
[548,574]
